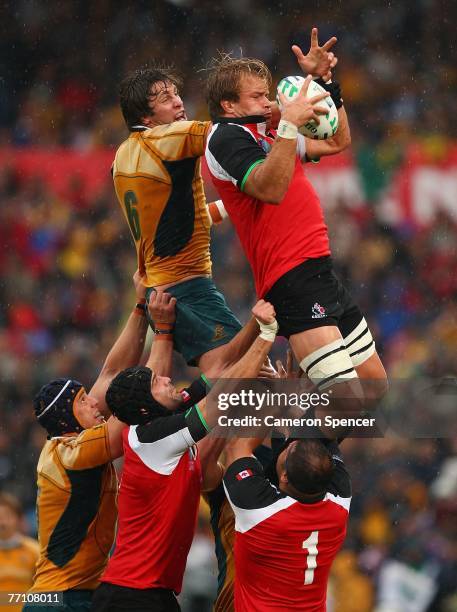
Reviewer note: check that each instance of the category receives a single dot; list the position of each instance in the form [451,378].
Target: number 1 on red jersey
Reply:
[310,544]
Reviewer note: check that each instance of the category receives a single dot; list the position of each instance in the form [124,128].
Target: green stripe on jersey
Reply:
[200,416]
[205,380]
[248,172]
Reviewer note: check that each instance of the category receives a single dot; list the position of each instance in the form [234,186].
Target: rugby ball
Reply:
[290,86]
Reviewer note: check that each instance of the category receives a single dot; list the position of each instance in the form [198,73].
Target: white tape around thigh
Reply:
[328,365]
[360,343]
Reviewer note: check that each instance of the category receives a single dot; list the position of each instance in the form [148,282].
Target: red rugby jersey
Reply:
[275,238]
[283,548]
[158,502]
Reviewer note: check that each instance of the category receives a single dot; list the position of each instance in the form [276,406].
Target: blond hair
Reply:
[224,78]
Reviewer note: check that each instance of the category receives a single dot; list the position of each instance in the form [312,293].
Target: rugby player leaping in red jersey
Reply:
[279,220]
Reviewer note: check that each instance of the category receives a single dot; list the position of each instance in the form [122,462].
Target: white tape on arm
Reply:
[268,331]
[287,130]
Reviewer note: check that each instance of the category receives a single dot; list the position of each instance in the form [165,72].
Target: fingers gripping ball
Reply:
[290,87]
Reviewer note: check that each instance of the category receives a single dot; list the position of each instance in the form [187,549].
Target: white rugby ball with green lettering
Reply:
[290,86]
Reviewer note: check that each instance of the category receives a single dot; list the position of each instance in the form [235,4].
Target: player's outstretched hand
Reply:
[302,109]
[140,288]
[264,312]
[319,61]
[162,308]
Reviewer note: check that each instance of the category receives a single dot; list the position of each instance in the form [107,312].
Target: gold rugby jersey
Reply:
[18,559]
[223,526]
[77,512]
[159,186]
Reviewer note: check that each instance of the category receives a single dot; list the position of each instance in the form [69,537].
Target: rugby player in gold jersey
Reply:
[77,484]
[159,186]
[18,553]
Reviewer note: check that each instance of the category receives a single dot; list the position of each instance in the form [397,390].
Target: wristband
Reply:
[165,329]
[163,336]
[286,129]
[140,308]
[217,212]
[334,89]
[268,331]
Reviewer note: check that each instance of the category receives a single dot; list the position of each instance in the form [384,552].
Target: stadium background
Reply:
[66,257]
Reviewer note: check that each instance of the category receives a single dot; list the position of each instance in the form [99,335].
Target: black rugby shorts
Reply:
[114,598]
[311,295]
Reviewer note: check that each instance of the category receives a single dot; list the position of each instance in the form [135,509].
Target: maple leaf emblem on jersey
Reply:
[318,311]
[244,474]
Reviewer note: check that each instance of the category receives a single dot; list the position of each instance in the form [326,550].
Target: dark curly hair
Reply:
[135,91]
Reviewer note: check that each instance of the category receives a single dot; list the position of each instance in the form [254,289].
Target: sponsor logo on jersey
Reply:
[244,474]
[318,311]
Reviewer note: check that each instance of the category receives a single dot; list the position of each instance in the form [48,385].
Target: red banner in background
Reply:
[65,170]
[422,187]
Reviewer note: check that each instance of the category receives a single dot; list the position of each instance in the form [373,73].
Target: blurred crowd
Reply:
[66,262]
[61,63]
[66,289]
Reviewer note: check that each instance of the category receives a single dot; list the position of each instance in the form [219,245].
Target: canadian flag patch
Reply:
[244,474]
[185,396]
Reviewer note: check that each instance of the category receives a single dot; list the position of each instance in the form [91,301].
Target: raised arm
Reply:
[315,149]
[319,62]
[250,364]
[127,349]
[162,309]
[244,447]
[209,450]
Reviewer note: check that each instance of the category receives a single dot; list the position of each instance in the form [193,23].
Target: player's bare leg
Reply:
[373,379]
[322,355]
